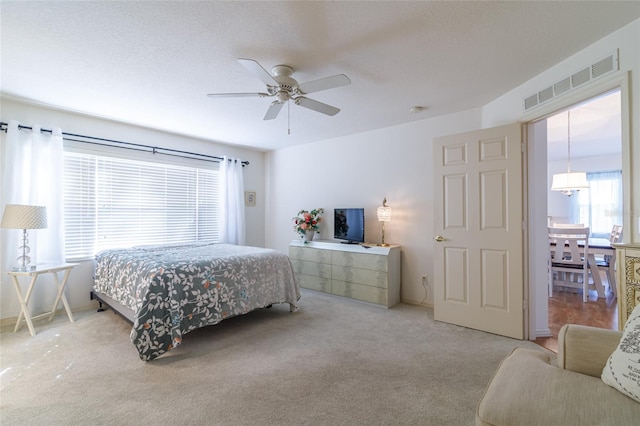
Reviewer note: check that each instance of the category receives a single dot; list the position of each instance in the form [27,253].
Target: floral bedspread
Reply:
[176,289]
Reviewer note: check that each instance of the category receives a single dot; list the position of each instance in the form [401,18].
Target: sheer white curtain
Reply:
[32,173]
[600,207]
[232,201]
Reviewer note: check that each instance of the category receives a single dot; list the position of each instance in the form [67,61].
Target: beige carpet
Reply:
[334,362]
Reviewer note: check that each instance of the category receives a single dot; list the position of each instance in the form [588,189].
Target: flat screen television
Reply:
[348,224]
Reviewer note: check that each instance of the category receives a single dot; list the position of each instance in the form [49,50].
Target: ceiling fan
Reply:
[284,88]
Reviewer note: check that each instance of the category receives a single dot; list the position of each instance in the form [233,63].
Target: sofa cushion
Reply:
[584,349]
[622,370]
[527,389]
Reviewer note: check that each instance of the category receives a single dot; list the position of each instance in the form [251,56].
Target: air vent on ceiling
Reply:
[590,73]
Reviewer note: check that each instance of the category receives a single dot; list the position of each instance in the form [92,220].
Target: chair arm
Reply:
[585,349]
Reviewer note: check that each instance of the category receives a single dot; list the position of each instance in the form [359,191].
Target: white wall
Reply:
[81,277]
[359,171]
[397,163]
[509,108]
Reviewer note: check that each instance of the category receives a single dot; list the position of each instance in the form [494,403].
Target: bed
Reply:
[168,291]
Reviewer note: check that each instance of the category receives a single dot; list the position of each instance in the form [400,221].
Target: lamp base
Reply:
[28,268]
[383,245]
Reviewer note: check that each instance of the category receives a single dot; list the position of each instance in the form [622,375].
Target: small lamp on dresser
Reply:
[19,216]
[384,215]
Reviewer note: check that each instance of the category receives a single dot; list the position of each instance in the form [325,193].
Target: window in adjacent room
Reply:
[600,207]
[114,202]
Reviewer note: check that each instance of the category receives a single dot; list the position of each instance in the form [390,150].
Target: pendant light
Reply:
[569,182]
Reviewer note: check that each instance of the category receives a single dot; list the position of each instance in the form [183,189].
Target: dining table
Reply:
[601,247]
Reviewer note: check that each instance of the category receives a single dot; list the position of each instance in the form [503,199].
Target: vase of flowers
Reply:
[306,223]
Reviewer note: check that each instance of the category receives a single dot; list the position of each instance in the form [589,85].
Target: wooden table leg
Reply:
[23,304]
[60,295]
[595,273]
[611,275]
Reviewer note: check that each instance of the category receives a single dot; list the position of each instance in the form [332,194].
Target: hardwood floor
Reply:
[567,308]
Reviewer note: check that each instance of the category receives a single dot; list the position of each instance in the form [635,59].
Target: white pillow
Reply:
[622,371]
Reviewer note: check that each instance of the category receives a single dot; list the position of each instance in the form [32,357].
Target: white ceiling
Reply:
[152,63]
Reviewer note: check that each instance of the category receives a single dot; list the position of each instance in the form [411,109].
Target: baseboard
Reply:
[11,321]
[417,303]
[545,332]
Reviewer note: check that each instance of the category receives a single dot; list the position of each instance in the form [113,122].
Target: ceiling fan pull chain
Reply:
[288,118]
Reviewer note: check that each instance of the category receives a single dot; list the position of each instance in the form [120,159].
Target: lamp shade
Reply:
[384,212]
[568,182]
[19,216]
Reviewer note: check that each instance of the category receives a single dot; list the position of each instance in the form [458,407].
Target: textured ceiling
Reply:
[152,63]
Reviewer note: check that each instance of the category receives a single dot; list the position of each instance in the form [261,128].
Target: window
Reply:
[113,202]
[600,207]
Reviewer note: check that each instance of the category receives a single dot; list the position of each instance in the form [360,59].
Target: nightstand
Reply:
[24,301]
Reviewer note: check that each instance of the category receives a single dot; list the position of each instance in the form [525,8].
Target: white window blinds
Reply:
[115,202]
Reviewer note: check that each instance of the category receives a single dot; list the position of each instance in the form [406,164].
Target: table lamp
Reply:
[384,215]
[19,216]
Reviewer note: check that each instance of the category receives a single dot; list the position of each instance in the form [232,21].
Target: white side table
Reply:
[24,301]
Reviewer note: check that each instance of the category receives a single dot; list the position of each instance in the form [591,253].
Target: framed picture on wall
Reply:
[249,198]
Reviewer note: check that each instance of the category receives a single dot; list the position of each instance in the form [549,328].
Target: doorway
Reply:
[586,137]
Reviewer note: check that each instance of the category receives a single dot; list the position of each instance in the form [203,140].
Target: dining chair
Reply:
[616,234]
[568,259]
[607,263]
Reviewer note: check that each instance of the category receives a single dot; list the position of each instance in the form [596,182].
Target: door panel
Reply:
[478,272]
[456,283]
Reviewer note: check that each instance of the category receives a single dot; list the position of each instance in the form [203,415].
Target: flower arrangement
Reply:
[307,221]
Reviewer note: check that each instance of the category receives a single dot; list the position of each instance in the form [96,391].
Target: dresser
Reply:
[628,274]
[371,274]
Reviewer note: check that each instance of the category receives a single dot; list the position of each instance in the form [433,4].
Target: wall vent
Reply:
[580,77]
[598,69]
[602,67]
[546,94]
[531,101]
[562,86]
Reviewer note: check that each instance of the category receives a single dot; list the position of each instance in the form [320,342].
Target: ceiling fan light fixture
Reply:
[282,96]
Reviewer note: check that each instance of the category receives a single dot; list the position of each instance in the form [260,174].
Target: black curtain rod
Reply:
[138,147]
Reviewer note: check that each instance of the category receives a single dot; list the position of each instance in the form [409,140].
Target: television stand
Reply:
[349,242]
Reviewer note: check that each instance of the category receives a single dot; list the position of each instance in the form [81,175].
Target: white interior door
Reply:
[478,228]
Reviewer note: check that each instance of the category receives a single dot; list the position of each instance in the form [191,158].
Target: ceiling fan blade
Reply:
[256,69]
[324,83]
[273,110]
[238,95]
[317,106]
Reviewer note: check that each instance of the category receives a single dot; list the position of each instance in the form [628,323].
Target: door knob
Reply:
[439,238]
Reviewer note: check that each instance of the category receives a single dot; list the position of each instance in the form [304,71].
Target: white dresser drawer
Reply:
[310,254]
[322,270]
[359,291]
[360,260]
[314,283]
[360,276]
